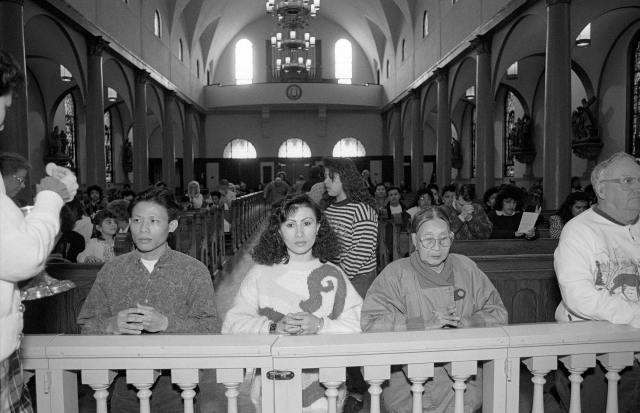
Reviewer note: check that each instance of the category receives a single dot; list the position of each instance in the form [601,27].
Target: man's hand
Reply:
[152,320]
[444,317]
[126,322]
[467,212]
[65,176]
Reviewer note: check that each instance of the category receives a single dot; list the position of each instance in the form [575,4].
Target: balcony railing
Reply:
[500,351]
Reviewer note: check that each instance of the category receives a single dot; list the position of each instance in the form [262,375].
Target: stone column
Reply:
[168,142]
[398,144]
[187,147]
[202,139]
[485,164]
[443,152]
[96,164]
[417,142]
[15,136]
[140,134]
[556,158]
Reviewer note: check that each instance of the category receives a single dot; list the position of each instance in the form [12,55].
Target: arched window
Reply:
[108,150]
[425,24]
[244,62]
[294,148]
[180,51]
[387,68]
[404,44]
[348,148]
[157,25]
[344,58]
[635,110]
[239,149]
[198,68]
[513,110]
[70,128]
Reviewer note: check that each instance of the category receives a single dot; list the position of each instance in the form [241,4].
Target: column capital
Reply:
[142,76]
[18,2]
[169,95]
[482,43]
[441,74]
[552,2]
[96,45]
[414,94]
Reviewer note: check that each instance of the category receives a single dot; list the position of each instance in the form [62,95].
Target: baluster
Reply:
[143,380]
[418,374]
[540,366]
[231,379]
[375,376]
[332,378]
[187,380]
[577,364]
[460,371]
[614,363]
[99,381]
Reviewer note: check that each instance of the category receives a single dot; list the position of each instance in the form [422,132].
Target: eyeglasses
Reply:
[429,243]
[20,180]
[627,183]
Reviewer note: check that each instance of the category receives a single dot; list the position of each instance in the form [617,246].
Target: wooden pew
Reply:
[504,247]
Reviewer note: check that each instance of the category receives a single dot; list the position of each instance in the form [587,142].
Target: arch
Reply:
[425,24]
[464,76]
[157,24]
[239,149]
[244,62]
[115,76]
[349,147]
[294,148]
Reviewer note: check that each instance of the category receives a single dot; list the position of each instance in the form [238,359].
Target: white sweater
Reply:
[597,263]
[25,244]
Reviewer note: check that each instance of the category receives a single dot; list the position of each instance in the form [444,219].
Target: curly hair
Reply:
[509,192]
[95,188]
[120,207]
[11,76]
[488,193]
[352,183]
[565,212]
[271,248]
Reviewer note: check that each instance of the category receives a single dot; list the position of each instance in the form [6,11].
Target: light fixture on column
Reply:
[471,93]
[65,75]
[112,95]
[512,71]
[584,38]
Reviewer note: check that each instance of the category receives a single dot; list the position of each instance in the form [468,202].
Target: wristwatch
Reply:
[272,328]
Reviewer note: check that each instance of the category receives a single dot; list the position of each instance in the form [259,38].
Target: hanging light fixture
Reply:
[512,71]
[112,95]
[584,38]
[471,93]
[65,75]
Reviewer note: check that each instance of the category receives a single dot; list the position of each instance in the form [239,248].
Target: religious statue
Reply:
[127,157]
[54,142]
[520,136]
[585,142]
[456,153]
[64,143]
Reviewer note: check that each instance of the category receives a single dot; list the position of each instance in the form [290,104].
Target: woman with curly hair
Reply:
[294,289]
[507,215]
[575,204]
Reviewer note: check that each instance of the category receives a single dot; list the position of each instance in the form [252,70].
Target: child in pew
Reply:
[294,289]
[100,246]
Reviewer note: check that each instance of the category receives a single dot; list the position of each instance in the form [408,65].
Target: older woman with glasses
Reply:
[14,169]
[431,289]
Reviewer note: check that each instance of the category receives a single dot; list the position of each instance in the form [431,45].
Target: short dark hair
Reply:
[76,206]
[466,192]
[204,192]
[161,183]
[489,192]
[391,188]
[10,163]
[315,172]
[160,196]
[433,186]
[67,218]
[448,188]
[120,208]
[94,188]
[216,193]
[271,248]
[510,192]
[128,192]
[382,185]
[98,219]
[564,212]
[11,76]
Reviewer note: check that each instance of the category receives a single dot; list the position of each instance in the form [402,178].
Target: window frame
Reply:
[239,64]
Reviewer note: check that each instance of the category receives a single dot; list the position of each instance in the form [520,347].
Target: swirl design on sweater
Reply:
[315,285]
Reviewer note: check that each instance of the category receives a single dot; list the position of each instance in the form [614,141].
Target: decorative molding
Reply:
[482,44]
[441,74]
[170,95]
[188,108]
[96,45]
[552,2]
[142,76]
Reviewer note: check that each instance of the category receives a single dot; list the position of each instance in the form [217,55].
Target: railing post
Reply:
[577,364]
[614,363]
[460,371]
[187,380]
[143,380]
[99,381]
[540,366]
[231,378]
[375,376]
[418,374]
[332,378]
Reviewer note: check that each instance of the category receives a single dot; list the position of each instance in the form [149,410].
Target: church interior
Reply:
[483,92]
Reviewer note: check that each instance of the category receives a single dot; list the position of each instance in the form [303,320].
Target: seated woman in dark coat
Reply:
[508,213]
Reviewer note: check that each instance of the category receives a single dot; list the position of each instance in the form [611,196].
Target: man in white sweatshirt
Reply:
[597,263]
[25,243]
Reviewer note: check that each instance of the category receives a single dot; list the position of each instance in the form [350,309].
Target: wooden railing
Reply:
[500,351]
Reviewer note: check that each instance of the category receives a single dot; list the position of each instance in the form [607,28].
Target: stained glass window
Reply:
[239,149]
[344,58]
[244,62]
[473,143]
[635,137]
[294,148]
[108,152]
[70,129]
[510,125]
[349,147]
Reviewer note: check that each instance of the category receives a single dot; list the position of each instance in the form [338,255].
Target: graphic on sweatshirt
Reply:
[619,276]
[322,280]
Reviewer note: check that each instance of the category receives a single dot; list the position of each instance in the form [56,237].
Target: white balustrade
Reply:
[496,353]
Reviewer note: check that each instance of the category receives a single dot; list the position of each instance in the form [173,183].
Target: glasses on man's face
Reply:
[627,183]
[20,180]
[429,243]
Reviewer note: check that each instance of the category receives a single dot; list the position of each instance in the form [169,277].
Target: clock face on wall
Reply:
[294,92]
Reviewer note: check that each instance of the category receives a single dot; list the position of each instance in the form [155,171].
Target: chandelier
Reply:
[293,46]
